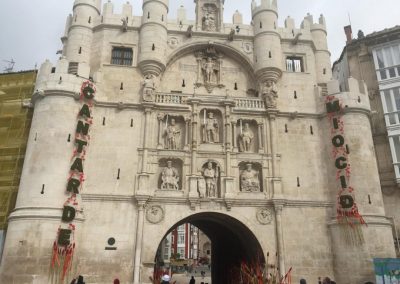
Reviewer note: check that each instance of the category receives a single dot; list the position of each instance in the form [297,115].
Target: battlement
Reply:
[93,3]
[356,96]
[266,5]
[309,24]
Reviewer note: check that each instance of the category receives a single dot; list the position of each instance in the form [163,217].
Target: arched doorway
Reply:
[232,243]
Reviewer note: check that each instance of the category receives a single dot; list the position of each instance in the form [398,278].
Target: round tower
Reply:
[267,41]
[322,54]
[80,33]
[355,187]
[153,37]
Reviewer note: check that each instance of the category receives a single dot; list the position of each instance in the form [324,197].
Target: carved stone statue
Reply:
[210,69]
[170,177]
[270,94]
[189,31]
[149,87]
[211,129]
[124,24]
[250,181]
[246,138]
[231,35]
[209,22]
[172,135]
[211,176]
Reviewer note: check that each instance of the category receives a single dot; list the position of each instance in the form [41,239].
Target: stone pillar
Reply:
[195,119]
[279,238]
[160,118]
[276,180]
[147,112]
[187,126]
[260,137]
[235,148]
[141,200]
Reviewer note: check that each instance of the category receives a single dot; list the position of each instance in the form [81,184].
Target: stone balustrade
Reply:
[250,103]
[175,99]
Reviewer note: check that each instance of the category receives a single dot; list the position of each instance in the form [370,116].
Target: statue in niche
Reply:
[246,138]
[170,177]
[210,129]
[270,94]
[211,175]
[210,70]
[209,20]
[149,88]
[249,179]
[172,136]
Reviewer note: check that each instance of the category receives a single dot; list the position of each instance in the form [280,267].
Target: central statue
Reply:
[210,129]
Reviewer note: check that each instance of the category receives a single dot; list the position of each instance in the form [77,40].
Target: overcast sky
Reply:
[30,30]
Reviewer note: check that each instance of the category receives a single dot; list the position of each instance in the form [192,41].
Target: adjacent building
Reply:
[16,89]
[146,123]
[375,59]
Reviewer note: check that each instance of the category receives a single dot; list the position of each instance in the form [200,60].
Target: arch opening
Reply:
[231,244]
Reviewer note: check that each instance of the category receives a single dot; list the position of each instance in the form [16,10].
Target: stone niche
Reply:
[210,185]
[170,175]
[211,130]
[173,132]
[247,136]
[250,177]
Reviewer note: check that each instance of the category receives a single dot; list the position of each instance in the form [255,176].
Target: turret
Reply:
[153,37]
[322,54]
[267,41]
[78,42]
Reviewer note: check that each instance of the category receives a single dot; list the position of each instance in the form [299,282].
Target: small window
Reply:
[294,64]
[122,56]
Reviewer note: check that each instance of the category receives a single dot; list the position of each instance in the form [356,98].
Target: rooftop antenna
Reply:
[10,66]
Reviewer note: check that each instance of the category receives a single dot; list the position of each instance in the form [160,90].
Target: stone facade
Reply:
[189,105]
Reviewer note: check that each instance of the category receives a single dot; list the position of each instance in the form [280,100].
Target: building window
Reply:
[181,239]
[294,64]
[391,106]
[181,252]
[122,56]
[387,62]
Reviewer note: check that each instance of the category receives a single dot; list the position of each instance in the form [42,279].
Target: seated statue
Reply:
[250,181]
[170,177]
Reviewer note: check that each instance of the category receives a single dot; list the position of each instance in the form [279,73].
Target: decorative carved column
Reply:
[235,148]
[187,127]
[199,60]
[260,137]
[147,112]
[276,180]
[141,200]
[279,237]
[160,118]
[195,118]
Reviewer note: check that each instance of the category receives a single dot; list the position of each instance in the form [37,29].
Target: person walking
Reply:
[303,281]
[165,279]
[192,280]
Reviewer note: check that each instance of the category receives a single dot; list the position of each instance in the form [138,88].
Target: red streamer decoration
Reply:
[63,255]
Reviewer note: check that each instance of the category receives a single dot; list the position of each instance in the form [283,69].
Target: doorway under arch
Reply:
[232,243]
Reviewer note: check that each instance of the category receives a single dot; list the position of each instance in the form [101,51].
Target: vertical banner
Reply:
[64,245]
[348,215]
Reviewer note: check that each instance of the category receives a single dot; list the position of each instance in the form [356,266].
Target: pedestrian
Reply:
[165,279]
[303,281]
[327,280]
[80,280]
[116,281]
[192,280]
